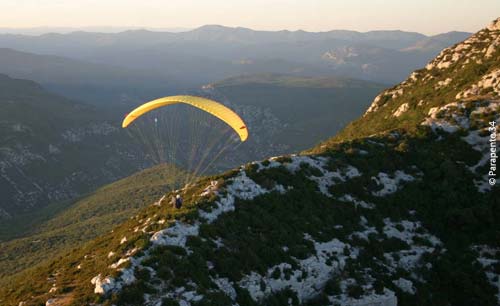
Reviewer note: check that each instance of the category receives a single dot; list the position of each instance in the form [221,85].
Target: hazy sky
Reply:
[426,16]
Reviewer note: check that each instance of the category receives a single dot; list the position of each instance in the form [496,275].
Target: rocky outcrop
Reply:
[494,25]
[489,84]
[402,109]
[479,47]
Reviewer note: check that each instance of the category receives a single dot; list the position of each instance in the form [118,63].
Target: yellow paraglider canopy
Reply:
[215,108]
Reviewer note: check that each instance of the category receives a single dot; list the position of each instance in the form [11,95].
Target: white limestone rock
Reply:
[401,109]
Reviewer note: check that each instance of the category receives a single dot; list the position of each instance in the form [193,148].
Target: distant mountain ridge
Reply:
[65,30]
[96,84]
[399,39]
[213,52]
[445,39]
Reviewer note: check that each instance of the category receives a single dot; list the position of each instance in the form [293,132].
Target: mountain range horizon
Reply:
[43,30]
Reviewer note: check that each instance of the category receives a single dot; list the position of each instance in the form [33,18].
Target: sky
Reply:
[424,16]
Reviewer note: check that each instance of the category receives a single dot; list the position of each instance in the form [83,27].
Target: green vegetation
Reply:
[86,219]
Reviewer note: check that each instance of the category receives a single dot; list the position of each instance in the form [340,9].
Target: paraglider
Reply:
[212,107]
[189,132]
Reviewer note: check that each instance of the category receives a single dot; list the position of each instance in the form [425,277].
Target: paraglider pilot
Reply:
[176,201]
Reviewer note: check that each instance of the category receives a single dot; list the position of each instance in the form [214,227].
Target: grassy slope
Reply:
[91,216]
